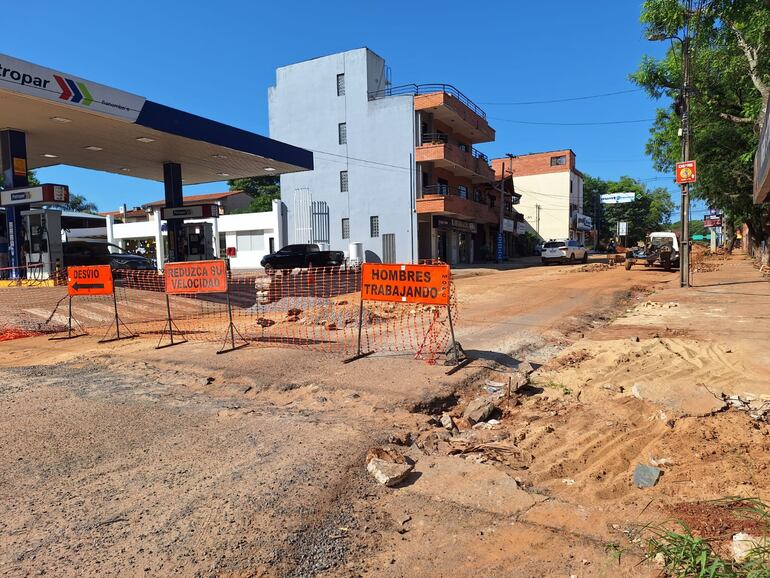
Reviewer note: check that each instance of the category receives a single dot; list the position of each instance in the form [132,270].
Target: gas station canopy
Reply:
[76,122]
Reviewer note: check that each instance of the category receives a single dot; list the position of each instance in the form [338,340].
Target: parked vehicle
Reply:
[83,252]
[564,250]
[662,249]
[301,256]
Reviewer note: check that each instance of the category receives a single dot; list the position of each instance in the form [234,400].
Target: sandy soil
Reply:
[123,460]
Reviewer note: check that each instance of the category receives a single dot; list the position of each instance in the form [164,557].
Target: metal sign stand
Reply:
[231,331]
[117,322]
[359,354]
[171,326]
[458,357]
[69,325]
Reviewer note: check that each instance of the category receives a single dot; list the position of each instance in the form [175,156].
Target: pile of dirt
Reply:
[592,268]
[719,520]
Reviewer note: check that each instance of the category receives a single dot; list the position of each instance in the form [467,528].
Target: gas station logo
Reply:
[76,92]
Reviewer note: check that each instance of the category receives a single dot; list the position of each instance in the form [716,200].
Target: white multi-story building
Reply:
[551,190]
[394,167]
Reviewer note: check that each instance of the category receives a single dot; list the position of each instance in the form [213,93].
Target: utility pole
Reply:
[684,267]
[537,218]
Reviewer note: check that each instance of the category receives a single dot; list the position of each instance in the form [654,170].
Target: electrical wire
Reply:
[556,100]
[600,123]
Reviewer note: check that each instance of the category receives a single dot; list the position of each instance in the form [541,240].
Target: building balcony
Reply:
[453,201]
[449,106]
[471,164]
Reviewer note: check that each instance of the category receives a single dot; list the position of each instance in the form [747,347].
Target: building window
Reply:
[346,228]
[462,191]
[463,147]
[374,226]
[343,181]
[342,132]
[558,161]
[340,85]
[477,195]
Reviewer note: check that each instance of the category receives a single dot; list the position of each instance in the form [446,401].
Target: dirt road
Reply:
[120,459]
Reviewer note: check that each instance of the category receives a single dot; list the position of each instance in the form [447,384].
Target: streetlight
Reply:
[684,268]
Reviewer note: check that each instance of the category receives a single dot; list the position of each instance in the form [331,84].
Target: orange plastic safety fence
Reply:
[315,308]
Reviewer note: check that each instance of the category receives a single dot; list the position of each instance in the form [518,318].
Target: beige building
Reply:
[551,190]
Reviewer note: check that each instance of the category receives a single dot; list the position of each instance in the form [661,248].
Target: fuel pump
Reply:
[198,241]
[4,262]
[42,245]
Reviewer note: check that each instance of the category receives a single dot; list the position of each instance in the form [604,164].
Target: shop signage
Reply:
[196,277]
[93,280]
[33,80]
[583,222]
[617,198]
[508,225]
[190,212]
[42,194]
[447,223]
[686,172]
[428,284]
[712,220]
[622,229]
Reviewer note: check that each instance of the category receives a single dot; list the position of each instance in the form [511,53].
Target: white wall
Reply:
[551,192]
[270,223]
[305,111]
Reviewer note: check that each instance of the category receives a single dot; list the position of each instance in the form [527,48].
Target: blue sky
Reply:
[218,59]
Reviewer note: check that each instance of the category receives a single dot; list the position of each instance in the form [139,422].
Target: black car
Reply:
[78,253]
[301,256]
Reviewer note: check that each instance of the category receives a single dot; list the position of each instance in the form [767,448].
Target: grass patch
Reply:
[683,553]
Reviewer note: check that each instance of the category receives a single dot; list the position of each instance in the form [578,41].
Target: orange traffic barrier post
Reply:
[407,284]
[204,277]
[97,280]
[70,335]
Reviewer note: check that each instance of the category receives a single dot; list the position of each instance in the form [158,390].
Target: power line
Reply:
[601,123]
[570,99]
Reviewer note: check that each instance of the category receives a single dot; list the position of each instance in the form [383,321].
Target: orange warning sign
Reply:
[428,284]
[196,277]
[686,172]
[92,280]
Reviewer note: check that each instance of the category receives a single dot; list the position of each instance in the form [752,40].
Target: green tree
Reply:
[80,204]
[730,88]
[263,191]
[648,212]
[31,178]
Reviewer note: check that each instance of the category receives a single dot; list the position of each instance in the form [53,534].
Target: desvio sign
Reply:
[196,277]
[94,280]
[427,284]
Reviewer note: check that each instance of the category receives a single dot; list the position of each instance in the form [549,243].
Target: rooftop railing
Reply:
[416,89]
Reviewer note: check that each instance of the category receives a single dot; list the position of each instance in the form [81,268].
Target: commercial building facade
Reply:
[395,168]
[551,190]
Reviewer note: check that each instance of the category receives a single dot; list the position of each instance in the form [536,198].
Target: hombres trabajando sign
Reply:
[427,284]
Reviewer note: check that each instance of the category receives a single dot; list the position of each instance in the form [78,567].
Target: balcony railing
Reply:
[416,89]
[477,154]
[434,138]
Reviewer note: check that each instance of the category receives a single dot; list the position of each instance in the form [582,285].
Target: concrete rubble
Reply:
[646,476]
[387,467]
[480,409]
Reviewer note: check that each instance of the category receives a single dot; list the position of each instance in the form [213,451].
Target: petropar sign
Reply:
[30,79]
